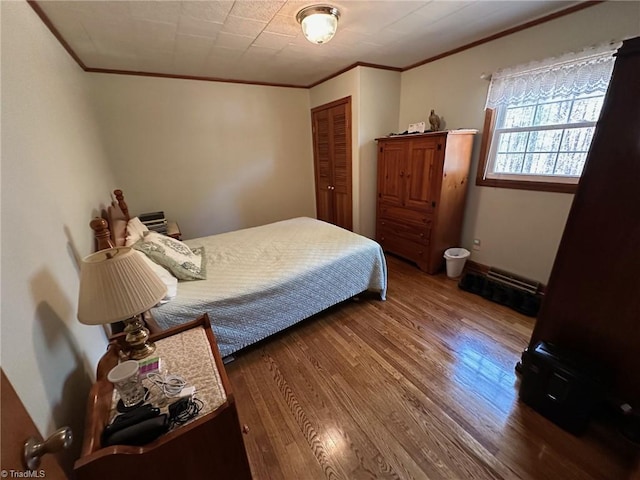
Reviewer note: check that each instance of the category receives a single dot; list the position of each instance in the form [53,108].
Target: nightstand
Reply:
[173,230]
[210,446]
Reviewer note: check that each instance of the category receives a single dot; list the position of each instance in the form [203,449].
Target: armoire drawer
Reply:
[408,231]
[404,214]
[405,248]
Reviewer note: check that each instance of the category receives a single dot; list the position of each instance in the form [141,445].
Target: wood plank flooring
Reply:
[421,386]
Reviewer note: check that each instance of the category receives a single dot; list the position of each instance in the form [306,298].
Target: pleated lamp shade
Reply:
[116,284]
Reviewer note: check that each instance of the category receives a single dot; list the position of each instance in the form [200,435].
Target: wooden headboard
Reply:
[112,231]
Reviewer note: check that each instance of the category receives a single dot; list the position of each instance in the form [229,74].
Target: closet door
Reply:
[323,165]
[332,160]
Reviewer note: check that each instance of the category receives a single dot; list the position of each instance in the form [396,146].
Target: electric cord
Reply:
[184,410]
[170,385]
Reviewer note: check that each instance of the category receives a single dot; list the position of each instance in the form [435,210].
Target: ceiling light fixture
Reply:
[319,22]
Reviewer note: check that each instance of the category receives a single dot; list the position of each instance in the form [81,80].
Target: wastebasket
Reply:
[456,258]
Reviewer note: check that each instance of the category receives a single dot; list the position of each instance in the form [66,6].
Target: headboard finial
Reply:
[121,203]
[101,231]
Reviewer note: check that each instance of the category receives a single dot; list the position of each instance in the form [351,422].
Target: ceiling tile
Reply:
[148,34]
[243,26]
[159,11]
[197,26]
[192,46]
[256,10]
[376,15]
[211,11]
[229,40]
[435,11]
[273,40]
[99,9]
[283,25]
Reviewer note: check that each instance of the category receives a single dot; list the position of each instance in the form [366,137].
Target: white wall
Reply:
[214,156]
[374,109]
[379,108]
[520,231]
[54,175]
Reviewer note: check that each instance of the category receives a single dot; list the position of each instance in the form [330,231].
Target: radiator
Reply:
[513,280]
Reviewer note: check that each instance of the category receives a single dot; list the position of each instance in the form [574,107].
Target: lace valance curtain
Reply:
[580,73]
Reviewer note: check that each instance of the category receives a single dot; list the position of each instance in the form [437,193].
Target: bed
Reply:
[261,280]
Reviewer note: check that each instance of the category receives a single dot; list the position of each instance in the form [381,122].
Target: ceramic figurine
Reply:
[434,121]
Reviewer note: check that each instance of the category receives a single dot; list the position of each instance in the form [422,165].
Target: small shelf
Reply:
[173,230]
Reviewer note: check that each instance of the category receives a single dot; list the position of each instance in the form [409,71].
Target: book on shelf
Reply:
[155,223]
[151,216]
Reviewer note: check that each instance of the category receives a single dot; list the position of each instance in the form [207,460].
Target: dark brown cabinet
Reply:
[422,185]
[332,160]
[592,303]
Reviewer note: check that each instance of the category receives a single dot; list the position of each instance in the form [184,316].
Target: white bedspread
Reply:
[261,280]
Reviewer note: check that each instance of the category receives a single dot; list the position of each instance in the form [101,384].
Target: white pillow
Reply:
[135,231]
[169,280]
[183,262]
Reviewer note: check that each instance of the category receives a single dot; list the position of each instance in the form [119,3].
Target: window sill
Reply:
[524,185]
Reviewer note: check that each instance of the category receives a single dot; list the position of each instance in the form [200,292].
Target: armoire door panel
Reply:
[391,169]
[420,175]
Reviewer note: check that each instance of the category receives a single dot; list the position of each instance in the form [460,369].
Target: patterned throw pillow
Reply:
[175,256]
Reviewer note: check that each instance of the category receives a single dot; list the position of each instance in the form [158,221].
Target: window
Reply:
[540,121]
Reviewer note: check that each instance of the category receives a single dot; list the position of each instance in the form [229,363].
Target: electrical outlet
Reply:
[476,244]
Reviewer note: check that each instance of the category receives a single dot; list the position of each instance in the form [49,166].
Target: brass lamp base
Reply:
[138,339]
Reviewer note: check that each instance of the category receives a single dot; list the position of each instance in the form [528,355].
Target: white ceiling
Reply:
[260,41]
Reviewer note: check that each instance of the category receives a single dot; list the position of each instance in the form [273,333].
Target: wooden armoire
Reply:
[422,187]
[331,126]
[592,302]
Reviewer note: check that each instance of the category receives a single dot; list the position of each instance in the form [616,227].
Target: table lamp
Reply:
[117,285]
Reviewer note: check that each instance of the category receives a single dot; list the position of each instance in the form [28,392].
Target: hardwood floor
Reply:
[421,386]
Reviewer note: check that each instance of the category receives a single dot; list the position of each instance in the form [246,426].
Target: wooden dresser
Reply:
[210,446]
[422,187]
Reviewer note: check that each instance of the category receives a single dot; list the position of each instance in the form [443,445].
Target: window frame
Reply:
[488,130]
[578,74]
